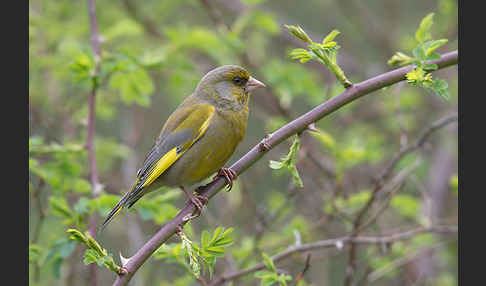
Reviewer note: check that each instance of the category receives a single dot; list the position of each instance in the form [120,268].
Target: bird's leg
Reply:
[228,174]
[196,200]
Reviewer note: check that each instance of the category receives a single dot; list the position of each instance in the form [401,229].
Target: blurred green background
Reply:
[153,55]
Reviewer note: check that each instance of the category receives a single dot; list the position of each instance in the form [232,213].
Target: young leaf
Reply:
[267,260]
[289,161]
[422,34]
[299,33]
[430,46]
[205,239]
[330,37]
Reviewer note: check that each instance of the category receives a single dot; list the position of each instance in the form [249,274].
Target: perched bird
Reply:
[198,137]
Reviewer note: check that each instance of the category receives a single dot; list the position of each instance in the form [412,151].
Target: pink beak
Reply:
[253,84]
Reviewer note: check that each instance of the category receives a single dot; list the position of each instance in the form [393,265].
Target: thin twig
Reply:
[357,225]
[306,267]
[93,173]
[356,91]
[336,243]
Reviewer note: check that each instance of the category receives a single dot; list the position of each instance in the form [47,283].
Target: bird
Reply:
[197,139]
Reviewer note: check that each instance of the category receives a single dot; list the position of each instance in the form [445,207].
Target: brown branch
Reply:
[357,225]
[298,125]
[306,267]
[336,243]
[93,173]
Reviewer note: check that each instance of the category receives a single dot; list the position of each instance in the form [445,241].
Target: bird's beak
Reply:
[253,84]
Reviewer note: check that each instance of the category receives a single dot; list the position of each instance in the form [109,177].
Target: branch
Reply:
[358,226]
[339,244]
[93,173]
[356,91]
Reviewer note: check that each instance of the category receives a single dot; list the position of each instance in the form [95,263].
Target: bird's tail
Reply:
[127,199]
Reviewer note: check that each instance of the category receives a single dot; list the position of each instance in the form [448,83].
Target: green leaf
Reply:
[205,239]
[216,251]
[298,32]
[431,67]
[77,235]
[275,164]
[423,34]
[35,252]
[441,88]
[330,37]
[267,260]
[123,28]
[419,53]
[300,54]
[400,59]
[90,256]
[433,56]
[217,232]
[406,205]
[60,207]
[296,177]
[82,67]
[430,46]
[289,161]
[134,85]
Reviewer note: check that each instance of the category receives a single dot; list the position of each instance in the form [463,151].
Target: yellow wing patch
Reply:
[165,162]
[170,157]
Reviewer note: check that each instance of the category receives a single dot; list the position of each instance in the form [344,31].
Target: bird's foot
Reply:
[263,146]
[198,200]
[228,174]
[122,271]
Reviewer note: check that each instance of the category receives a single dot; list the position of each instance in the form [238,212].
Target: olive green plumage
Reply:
[198,137]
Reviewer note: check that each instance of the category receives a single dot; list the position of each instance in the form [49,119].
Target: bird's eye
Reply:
[239,81]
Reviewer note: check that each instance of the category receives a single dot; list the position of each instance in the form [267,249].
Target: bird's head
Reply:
[227,86]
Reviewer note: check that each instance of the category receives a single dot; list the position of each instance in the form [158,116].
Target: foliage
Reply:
[152,57]
[423,53]
[325,52]
[203,254]
[289,161]
[94,253]
[271,276]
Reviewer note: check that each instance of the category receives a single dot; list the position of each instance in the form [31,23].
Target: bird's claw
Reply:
[196,201]
[228,174]
[263,146]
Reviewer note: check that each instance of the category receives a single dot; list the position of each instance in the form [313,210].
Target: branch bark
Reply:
[337,243]
[356,91]
[358,225]
[93,173]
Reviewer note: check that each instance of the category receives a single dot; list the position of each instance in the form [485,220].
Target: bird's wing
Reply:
[182,129]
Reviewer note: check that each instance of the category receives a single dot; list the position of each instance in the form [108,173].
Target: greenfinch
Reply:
[198,137]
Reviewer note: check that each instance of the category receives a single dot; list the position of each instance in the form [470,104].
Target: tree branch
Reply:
[337,243]
[358,226]
[93,173]
[356,91]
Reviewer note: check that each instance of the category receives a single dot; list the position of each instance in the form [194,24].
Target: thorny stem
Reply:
[358,226]
[335,243]
[356,91]
[93,173]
